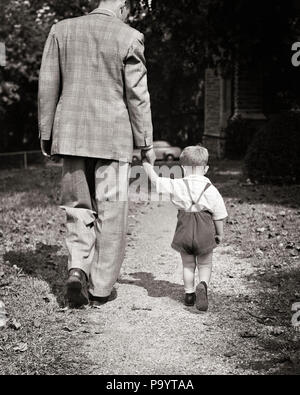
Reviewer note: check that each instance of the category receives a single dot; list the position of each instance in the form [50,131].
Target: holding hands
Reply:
[148,156]
[46,148]
[148,159]
[219,239]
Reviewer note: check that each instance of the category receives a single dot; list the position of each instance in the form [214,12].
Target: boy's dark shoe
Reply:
[201,297]
[190,299]
[77,289]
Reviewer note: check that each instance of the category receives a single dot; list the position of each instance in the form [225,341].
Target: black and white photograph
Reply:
[149,190]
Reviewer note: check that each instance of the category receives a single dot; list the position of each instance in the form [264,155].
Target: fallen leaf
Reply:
[135,308]
[67,329]
[260,230]
[3,315]
[21,347]
[276,332]
[15,325]
[63,310]
[229,354]
[37,323]
[290,246]
[248,335]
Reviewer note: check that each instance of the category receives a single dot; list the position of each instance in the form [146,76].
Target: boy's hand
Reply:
[149,156]
[219,239]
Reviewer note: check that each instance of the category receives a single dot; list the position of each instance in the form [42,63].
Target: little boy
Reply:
[200,220]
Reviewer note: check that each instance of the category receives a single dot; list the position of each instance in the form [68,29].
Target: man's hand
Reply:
[149,156]
[46,148]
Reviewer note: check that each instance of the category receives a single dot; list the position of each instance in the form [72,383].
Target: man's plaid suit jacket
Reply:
[93,93]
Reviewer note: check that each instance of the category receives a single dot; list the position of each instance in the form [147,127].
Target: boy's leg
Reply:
[189,267]
[204,265]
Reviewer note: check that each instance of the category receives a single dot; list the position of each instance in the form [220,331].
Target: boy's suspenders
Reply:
[189,192]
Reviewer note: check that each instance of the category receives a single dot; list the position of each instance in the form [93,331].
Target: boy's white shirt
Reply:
[179,195]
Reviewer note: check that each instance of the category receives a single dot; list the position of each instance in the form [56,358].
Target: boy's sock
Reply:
[201,296]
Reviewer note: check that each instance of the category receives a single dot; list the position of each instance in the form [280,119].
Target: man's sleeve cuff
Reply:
[44,136]
[148,143]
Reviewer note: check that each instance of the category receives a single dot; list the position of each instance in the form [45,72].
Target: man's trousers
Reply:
[95,198]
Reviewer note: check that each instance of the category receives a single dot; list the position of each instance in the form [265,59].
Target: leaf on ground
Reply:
[276,331]
[136,308]
[46,299]
[63,310]
[248,335]
[229,354]
[37,324]
[3,315]
[21,347]
[67,329]
[15,325]
[260,230]
[290,246]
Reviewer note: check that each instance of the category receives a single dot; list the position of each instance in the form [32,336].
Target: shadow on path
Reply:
[155,288]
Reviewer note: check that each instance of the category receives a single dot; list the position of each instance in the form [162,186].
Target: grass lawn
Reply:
[43,337]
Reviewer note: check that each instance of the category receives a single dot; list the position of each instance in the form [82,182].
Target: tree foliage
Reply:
[274,155]
[183,37]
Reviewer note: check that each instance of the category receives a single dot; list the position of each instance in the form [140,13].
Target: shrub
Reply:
[274,155]
[239,134]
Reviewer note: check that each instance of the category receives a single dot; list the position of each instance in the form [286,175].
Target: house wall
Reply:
[227,98]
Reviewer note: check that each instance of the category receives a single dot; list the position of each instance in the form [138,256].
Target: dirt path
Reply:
[147,329]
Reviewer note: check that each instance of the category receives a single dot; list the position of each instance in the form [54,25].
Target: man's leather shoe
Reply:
[97,302]
[77,293]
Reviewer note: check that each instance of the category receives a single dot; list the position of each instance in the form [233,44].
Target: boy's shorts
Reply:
[195,233]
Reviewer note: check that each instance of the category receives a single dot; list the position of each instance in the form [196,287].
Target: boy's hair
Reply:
[194,156]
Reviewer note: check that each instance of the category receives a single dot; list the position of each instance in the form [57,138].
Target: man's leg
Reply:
[77,201]
[112,181]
